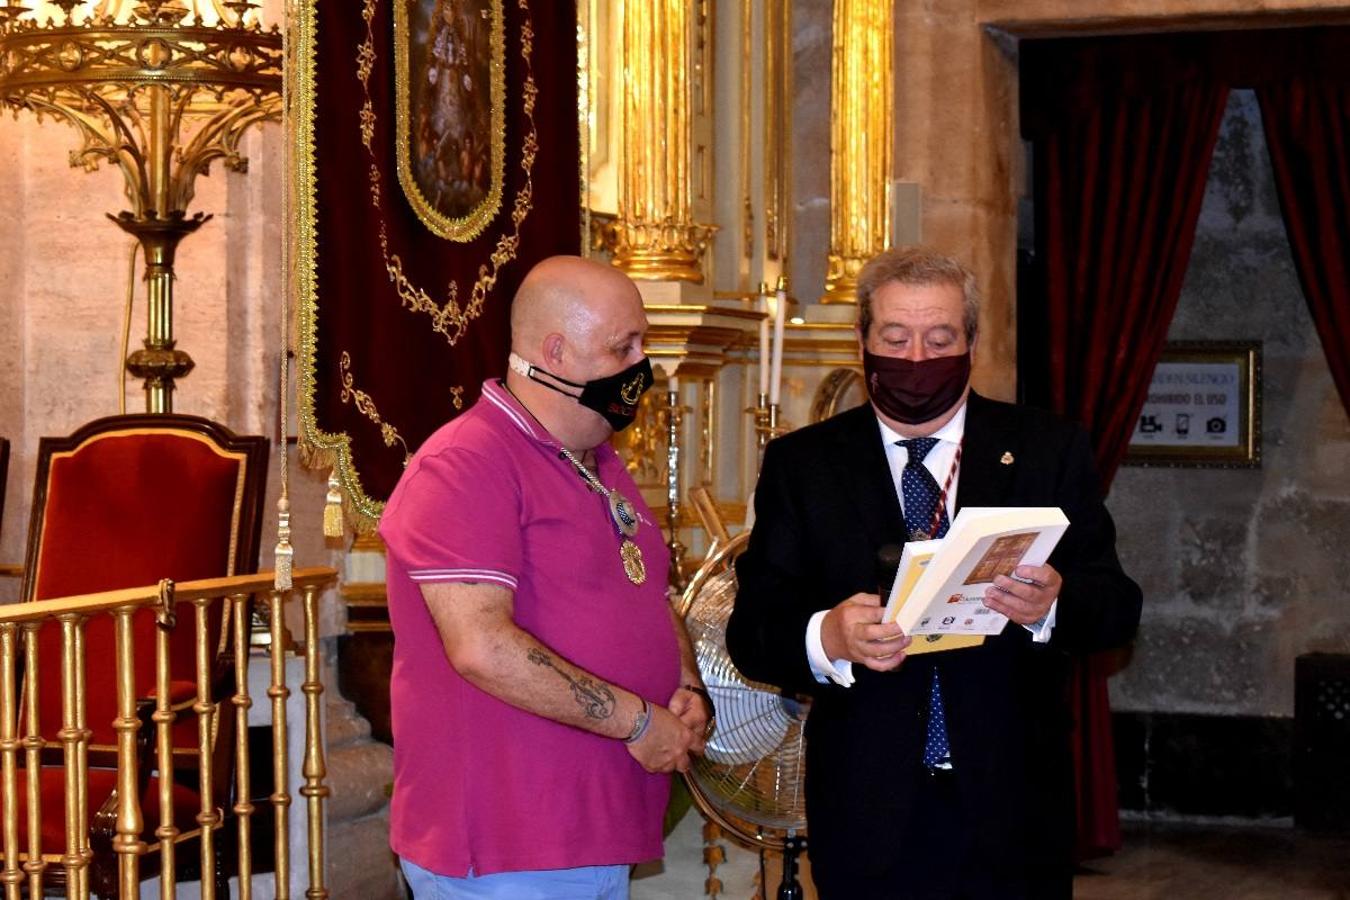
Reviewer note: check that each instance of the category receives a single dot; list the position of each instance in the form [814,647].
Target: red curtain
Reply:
[1307,125]
[1122,130]
[1118,196]
[1118,190]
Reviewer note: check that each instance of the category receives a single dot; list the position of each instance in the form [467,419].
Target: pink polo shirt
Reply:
[478,784]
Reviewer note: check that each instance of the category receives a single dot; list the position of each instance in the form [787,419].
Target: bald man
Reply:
[543,688]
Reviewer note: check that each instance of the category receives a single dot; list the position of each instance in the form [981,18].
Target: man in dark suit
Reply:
[941,775]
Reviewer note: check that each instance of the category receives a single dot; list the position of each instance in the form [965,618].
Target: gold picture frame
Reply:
[431,211]
[1203,408]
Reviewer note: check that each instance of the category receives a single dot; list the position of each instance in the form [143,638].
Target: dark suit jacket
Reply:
[824,504]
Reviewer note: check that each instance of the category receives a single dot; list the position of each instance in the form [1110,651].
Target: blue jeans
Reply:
[586,883]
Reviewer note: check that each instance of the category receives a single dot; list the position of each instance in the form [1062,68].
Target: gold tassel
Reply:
[283,553]
[332,508]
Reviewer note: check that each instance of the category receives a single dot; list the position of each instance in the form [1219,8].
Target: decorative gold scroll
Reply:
[416,129]
[366,406]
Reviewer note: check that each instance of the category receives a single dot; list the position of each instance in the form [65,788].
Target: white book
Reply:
[940,589]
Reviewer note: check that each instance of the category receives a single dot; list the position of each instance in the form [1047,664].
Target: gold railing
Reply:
[20,624]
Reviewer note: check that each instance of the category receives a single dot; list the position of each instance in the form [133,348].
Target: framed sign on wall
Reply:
[1203,407]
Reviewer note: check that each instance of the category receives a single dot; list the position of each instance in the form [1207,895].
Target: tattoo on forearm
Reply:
[594,697]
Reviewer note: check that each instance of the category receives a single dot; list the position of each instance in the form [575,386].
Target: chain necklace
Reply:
[625,517]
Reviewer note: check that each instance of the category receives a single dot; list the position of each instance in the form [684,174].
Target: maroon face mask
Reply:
[914,392]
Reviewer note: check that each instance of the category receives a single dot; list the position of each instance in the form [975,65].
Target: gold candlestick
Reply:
[674,417]
[761,413]
[160,89]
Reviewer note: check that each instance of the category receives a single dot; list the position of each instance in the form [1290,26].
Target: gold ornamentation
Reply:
[654,237]
[624,515]
[161,92]
[1006,458]
[315,768]
[631,391]
[746,117]
[67,669]
[642,445]
[457,397]
[367,123]
[707,445]
[840,389]
[633,566]
[366,406]
[470,225]
[584,100]
[860,141]
[777,126]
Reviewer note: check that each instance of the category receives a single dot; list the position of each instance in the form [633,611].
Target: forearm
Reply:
[487,648]
[516,668]
[689,674]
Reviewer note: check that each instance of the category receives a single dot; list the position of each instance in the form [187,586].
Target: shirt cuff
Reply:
[822,667]
[1041,629]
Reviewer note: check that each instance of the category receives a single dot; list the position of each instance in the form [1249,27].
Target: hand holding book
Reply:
[853,631]
[1024,596]
[942,586]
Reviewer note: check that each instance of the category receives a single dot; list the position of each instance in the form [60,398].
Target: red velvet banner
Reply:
[436,157]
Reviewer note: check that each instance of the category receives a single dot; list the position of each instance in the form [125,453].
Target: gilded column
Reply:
[655,237]
[860,141]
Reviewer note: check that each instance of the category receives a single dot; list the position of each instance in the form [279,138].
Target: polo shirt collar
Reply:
[506,404]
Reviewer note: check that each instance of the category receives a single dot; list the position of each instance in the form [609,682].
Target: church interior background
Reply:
[739,159]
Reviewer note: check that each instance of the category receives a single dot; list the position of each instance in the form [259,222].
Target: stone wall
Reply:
[1242,570]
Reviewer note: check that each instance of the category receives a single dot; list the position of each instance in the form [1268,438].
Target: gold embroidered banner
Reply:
[435,156]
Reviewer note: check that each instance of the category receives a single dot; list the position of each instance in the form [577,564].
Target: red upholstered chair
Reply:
[123,502]
[7,569]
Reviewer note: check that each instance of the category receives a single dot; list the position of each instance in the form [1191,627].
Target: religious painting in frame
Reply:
[450,106]
[1203,407]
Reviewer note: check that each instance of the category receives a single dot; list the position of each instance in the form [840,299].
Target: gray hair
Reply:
[917,266]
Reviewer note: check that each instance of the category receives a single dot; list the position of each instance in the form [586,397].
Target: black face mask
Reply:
[615,396]
[915,392]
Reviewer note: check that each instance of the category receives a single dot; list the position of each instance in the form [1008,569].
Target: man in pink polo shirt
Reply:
[543,688]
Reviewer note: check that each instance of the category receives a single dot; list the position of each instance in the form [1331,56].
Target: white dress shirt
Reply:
[939,462]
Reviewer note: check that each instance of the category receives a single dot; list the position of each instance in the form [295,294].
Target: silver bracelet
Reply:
[640,724]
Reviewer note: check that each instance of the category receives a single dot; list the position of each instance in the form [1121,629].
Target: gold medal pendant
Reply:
[625,516]
[633,565]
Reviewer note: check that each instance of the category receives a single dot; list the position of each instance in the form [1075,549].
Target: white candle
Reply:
[764,347]
[673,386]
[776,376]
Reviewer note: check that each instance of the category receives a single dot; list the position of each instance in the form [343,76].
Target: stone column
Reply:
[655,237]
[860,141]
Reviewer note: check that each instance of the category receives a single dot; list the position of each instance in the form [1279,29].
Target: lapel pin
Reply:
[1006,458]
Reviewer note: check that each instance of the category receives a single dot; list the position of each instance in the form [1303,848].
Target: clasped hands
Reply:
[676,734]
[853,629]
